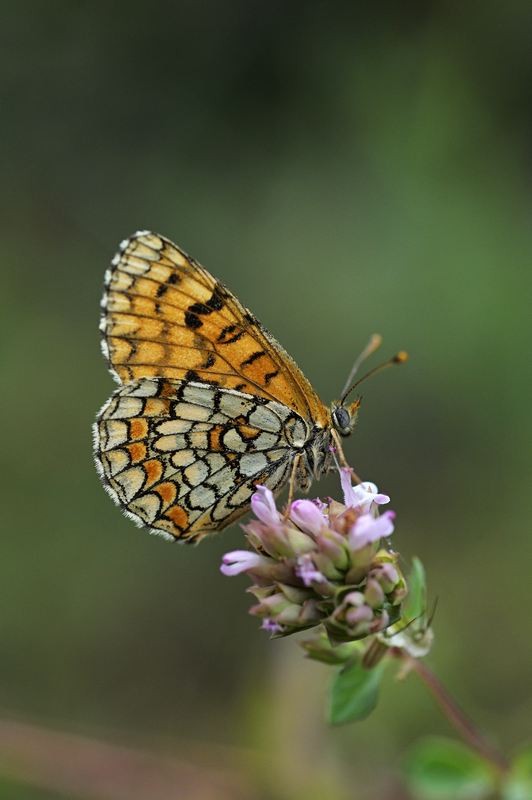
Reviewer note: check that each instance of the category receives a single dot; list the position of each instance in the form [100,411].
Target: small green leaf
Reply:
[442,769]
[416,600]
[354,693]
[518,785]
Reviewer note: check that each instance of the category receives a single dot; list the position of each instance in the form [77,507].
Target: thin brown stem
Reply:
[461,722]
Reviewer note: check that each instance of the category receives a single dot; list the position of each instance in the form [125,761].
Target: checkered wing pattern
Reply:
[209,403]
[183,457]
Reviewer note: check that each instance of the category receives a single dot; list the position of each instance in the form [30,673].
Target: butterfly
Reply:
[208,405]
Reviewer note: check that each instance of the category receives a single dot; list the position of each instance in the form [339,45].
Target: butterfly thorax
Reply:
[316,457]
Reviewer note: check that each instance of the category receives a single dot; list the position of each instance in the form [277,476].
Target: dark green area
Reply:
[345,169]
[16,791]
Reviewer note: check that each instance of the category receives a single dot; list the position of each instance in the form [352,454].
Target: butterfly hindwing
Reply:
[183,457]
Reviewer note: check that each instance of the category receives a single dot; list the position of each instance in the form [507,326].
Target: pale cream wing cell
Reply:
[183,458]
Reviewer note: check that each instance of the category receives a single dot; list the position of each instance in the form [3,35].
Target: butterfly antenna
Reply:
[398,358]
[373,345]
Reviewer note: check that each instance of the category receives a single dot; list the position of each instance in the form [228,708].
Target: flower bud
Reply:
[280,540]
[293,593]
[242,561]
[334,548]
[310,613]
[386,572]
[276,607]
[291,616]
[355,599]
[360,563]
[353,616]
[307,516]
[263,506]
[374,593]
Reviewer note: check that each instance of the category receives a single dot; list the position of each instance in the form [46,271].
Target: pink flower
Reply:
[306,570]
[368,529]
[305,565]
[307,516]
[263,506]
[361,496]
[241,561]
[271,626]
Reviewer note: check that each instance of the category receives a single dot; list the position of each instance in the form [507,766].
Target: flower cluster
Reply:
[322,563]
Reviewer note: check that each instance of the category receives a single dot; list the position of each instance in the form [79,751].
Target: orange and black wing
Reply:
[165,316]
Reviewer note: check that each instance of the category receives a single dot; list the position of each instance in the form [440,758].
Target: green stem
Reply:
[465,727]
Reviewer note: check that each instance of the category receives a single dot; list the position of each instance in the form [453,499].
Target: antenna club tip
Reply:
[400,357]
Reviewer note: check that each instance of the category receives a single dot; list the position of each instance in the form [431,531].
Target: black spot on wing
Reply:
[191,375]
[200,308]
[253,357]
[230,334]
[192,320]
[269,375]
[215,302]
[225,332]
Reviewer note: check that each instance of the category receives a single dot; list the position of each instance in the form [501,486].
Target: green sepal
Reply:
[320,648]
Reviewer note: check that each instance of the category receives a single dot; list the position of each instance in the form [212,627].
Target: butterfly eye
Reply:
[342,420]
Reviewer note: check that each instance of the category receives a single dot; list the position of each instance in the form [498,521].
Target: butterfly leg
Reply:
[292,484]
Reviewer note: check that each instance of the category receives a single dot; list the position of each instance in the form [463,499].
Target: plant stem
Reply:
[465,727]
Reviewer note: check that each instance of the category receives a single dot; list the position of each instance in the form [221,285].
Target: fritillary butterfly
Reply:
[209,403]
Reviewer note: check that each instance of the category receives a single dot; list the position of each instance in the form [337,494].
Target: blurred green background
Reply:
[345,169]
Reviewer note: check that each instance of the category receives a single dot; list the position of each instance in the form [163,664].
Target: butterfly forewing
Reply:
[210,404]
[165,316]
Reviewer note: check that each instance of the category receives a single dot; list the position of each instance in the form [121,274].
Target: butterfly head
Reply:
[344,417]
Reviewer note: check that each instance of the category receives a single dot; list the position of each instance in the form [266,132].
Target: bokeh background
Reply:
[345,168]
